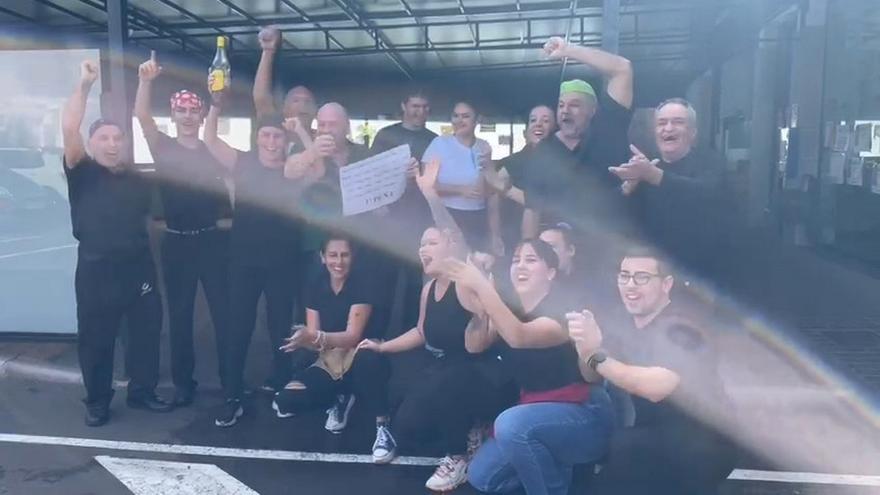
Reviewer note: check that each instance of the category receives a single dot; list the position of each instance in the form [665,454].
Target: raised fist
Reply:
[88,71]
[270,38]
[555,48]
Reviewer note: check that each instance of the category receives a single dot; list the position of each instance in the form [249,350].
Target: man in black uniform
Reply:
[263,248]
[115,276]
[410,214]
[568,179]
[684,207]
[194,197]
[665,362]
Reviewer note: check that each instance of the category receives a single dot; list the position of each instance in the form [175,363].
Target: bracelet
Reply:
[317,337]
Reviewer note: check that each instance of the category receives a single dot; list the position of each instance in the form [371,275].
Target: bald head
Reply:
[300,102]
[333,120]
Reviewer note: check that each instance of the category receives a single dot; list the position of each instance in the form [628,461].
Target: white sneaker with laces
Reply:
[384,448]
[450,474]
[337,416]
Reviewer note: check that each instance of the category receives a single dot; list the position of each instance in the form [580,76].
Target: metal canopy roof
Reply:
[412,38]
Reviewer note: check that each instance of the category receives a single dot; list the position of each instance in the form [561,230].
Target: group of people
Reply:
[523,370]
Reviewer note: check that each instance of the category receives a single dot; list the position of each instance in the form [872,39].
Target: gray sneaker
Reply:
[337,416]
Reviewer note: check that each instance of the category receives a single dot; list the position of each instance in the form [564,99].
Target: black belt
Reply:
[191,232]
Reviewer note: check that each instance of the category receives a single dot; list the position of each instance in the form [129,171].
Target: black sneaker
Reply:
[97,415]
[183,397]
[270,387]
[229,414]
[152,403]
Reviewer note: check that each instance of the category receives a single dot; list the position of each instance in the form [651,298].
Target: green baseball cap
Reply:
[576,86]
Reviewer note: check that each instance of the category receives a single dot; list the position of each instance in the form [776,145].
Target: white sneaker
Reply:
[279,413]
[450,474]
[337,416]
[384,448]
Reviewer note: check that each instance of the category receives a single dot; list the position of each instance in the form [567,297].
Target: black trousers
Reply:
[109,290]
[187,260]
[247,283]
[440,401]
[319,393]
[658,460]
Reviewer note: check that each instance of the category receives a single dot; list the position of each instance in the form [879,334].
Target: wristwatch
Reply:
[596,359]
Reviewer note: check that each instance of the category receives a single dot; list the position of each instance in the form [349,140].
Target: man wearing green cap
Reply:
[568,179]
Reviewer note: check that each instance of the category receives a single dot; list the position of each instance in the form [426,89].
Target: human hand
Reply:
[465,274]
[412,168]
[371,345]
[301,338]
[88,72]
[324,145]
[585,332]
[270,38]
[218,98]
[555,48]
[427,180]
[638,168]
[497,180]
[149,70]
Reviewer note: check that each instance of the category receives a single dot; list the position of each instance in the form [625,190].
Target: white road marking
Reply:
[808,478]
[37,251]
[146,477]
[17,239]
[286,455]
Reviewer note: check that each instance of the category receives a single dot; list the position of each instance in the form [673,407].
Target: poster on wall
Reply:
[863,138]
[841,138]
[855,170]
[836,166]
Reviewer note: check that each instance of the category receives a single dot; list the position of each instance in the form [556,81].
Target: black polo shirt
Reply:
[689,215]
[333,308]
[108,209]
[265,228]
[574,185]
[511,211]
[683,343]
[191,185]
[542,369]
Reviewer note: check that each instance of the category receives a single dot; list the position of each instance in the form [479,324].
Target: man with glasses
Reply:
[666,367]
[680,194]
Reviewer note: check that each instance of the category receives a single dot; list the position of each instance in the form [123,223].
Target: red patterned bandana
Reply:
[185,98]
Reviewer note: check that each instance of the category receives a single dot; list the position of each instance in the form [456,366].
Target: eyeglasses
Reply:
[639,278]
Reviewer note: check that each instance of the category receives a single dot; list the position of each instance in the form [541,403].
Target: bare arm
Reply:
[538,333]
[222,152]
[73,113]
[413,338]
[479,335]
[615,69]
[493,208]
[427,183]
[270,41]
[650,382]
[530,223]
[147,72]
[358,315]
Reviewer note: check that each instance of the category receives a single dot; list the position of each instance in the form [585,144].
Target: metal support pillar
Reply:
[611,26]
[764,132]
[115,103]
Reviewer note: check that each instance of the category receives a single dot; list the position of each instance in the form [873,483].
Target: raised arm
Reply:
[479,335]
[616,70]
[270,42]
[74,112]
[427,182]
[538,333]
[222,152]
[147,73]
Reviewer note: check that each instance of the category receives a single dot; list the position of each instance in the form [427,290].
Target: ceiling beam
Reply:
[251,19]
[307,18]
[428,42]
[354,12]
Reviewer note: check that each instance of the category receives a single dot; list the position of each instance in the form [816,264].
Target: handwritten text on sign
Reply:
[374,182]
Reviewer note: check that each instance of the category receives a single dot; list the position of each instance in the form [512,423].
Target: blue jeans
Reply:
[536,445]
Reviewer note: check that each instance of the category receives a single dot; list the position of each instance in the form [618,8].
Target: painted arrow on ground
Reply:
[147,477]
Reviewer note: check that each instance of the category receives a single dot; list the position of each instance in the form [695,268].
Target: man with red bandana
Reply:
[194,249]
[115,276]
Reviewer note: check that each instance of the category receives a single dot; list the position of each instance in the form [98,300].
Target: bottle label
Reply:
[220,82]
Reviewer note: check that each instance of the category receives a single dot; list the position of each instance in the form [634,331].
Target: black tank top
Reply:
[445,323]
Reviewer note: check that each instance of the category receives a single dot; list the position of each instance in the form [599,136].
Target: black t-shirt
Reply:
[108,209]
[333,308]
[680,342]
[194,195]
[544,369]
[265,230]
[569,185]
[411,211]
[511,211]
[689,214]
[445,323]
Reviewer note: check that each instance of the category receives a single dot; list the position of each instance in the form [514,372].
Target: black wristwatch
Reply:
[596,359]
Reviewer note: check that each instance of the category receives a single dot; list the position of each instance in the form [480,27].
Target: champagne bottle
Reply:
[220,68]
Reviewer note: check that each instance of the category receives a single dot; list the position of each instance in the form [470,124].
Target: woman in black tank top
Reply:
[449,388]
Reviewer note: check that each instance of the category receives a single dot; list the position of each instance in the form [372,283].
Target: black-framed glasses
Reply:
[639,278]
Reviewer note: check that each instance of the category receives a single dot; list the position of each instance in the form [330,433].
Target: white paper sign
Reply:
[374,182]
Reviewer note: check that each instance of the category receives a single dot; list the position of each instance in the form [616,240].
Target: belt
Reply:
[191,232]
